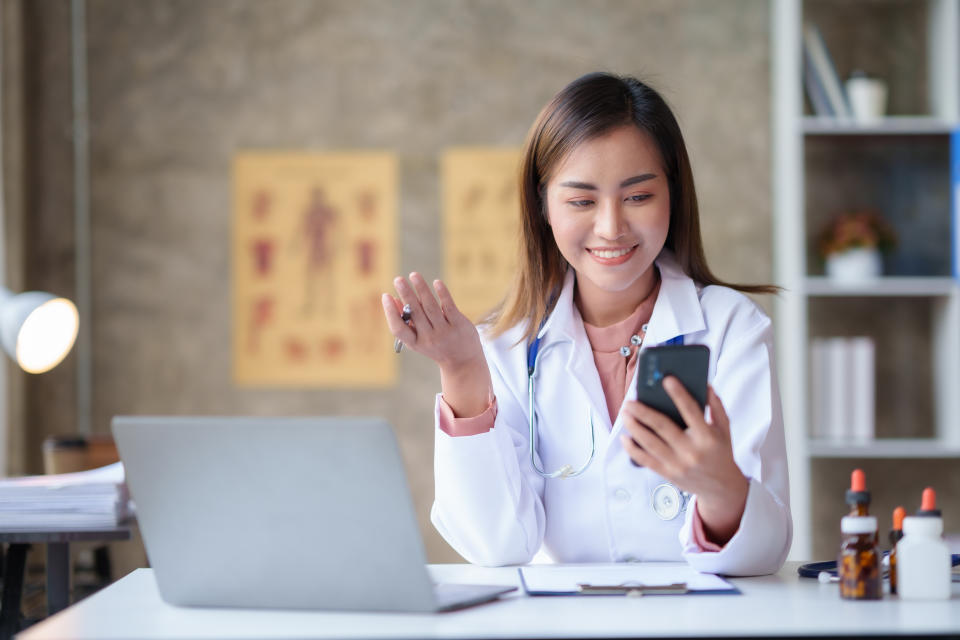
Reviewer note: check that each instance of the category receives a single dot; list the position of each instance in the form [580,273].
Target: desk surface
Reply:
[777,605]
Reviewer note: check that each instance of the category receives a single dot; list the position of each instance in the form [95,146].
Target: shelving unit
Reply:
[901,166]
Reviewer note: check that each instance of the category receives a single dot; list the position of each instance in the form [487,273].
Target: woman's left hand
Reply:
[698,460]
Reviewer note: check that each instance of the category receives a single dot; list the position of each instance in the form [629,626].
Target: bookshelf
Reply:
[901,166]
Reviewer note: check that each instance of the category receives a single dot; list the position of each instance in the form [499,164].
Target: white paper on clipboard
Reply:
[568,578]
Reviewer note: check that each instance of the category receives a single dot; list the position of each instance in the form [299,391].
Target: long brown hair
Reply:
[587,108]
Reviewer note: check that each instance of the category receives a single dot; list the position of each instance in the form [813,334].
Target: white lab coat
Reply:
[494,509]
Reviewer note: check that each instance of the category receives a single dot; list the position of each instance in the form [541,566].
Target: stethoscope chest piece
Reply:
[668,501]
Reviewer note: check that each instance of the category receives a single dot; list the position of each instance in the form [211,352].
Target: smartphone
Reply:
[687,363]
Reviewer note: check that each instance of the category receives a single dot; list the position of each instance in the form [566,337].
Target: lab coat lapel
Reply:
[677,312]
[565,323]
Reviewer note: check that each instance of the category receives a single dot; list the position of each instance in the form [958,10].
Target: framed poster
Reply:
[481,224]
[314,246]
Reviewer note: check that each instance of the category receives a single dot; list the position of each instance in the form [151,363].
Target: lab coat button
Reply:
[622,495]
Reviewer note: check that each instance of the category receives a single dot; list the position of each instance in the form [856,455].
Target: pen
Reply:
[405,315]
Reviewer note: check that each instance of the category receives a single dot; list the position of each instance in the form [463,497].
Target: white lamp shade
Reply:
[37,329]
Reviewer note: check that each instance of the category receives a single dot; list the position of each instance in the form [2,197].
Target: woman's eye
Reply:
[640,197]
[581,203]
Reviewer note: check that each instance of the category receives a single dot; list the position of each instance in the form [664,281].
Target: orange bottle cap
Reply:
[858,480]
[929,500]
[898,515]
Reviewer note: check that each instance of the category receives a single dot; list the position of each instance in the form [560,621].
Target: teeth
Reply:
[600,253]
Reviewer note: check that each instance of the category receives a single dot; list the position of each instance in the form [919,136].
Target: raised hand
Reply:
[438,330]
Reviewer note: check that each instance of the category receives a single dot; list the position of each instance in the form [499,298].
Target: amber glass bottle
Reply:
[858,563]
[895,534]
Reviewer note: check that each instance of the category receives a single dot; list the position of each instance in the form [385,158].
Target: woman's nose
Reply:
[609,223]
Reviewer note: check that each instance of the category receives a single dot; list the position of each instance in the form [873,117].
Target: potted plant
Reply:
[852,244]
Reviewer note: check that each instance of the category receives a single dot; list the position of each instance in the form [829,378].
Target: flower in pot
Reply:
[852,244]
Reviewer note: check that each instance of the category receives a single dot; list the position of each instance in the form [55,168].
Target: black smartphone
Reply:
[687,363]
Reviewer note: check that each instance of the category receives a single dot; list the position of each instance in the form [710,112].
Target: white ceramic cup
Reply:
[868,98]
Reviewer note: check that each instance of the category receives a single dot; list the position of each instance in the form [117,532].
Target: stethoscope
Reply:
[666,500]
[827,571]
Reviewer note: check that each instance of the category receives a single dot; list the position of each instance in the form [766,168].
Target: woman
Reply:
[611,262]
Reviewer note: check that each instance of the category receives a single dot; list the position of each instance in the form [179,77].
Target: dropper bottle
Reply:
[922,555]
[858,563]
[895,534]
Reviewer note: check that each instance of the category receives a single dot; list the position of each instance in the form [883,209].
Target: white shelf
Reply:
[889,286]
[806,297]
[901,448]
[893,125]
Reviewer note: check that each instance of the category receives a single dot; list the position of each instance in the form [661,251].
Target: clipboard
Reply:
[593,584]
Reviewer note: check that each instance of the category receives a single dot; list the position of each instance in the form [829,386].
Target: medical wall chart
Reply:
[314,246]
[481,224]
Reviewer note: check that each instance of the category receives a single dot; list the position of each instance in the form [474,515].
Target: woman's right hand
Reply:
[439,331]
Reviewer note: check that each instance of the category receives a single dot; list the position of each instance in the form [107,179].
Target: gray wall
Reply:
[178,86]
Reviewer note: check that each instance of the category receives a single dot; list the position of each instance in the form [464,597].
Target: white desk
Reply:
[777,605]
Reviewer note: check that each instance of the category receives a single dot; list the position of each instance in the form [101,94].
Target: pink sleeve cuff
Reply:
[456,427]
[700,536]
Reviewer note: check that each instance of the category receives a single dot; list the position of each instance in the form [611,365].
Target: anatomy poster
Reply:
[314,246]
[481,214]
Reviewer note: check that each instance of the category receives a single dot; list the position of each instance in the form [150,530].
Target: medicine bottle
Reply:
[858,563]
[896,533]
[923,557]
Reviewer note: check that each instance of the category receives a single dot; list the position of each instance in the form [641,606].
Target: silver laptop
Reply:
[280,513]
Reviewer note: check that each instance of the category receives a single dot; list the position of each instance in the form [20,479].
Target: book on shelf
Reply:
[92,499]
[827,88]
[815,91]
[843,389]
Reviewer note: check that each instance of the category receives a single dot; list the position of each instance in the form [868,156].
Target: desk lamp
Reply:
[37,329]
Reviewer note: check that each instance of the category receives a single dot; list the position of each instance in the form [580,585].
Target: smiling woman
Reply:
[611,262]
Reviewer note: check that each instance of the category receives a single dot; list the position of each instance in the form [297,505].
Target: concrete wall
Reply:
[178,86]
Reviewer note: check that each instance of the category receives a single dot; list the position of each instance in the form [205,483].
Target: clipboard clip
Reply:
[632,589]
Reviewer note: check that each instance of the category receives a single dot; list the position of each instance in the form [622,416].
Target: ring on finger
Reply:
[405,315]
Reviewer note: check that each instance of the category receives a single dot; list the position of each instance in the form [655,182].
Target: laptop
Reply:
[280,513]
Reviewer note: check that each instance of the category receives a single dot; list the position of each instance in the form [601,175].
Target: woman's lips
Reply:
[613,255]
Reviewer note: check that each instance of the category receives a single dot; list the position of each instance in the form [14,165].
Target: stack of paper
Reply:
[83,500]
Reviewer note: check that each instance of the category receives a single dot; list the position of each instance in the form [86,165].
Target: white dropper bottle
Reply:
[923,557]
